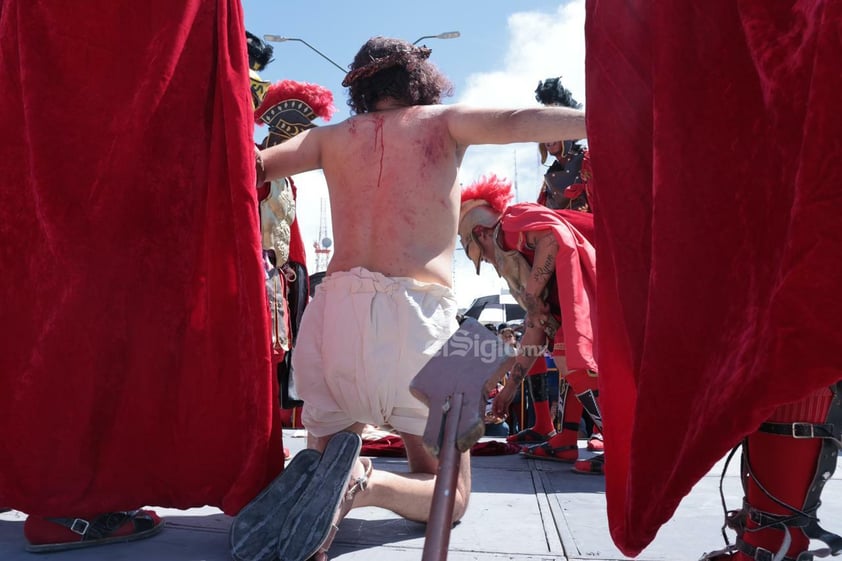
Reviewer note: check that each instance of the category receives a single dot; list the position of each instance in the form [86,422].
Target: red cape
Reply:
[715,136]
[297,253]
[575,272]
[135,360]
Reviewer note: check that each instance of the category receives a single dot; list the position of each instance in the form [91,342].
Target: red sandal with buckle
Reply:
[567,454]
[591,466]
[59,534]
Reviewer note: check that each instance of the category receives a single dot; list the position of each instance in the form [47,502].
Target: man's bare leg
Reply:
[406,494]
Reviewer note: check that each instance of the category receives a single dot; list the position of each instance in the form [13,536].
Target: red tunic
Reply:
[714,133]
[135,364]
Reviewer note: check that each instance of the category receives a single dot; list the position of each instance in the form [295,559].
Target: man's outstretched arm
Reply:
[473,125]
[296,155]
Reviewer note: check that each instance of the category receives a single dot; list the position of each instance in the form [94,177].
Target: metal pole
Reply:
[321,54]
[282,39]
[445,35]
[437,537]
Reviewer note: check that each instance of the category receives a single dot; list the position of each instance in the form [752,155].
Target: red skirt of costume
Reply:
[715,136]
[135,355]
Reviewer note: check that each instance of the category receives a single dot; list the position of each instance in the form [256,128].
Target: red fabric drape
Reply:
[135,354]
[297,253]
[714,134]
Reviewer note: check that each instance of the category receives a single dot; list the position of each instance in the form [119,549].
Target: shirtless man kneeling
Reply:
[391,171]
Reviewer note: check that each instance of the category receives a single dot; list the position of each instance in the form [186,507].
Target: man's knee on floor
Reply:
[460,504]
[463,488]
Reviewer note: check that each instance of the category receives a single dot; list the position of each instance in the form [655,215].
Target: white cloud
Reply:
[539,45]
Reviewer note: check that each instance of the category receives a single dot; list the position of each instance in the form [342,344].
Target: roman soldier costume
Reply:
[569,294]
[287,108]
[565,184]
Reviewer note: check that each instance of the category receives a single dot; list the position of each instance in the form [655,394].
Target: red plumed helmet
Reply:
[290,107]
[482,204]
[495,191]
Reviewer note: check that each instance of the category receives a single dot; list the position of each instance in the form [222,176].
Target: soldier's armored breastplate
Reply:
[555,182]
[277,212]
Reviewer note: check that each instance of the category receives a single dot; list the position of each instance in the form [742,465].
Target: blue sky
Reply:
[506,47]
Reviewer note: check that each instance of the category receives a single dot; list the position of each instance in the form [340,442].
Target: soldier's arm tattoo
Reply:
[545,269]
[543,266]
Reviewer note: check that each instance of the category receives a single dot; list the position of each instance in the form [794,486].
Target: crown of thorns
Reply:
[408,58]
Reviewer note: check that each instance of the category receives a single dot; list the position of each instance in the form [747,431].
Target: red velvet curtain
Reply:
[135,355]
[716,144]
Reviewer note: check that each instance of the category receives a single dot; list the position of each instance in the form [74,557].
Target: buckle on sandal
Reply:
[803,430]
[79,526]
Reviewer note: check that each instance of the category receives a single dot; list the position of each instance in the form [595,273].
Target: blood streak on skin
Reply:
[433,150]
[378,134]
[408,217]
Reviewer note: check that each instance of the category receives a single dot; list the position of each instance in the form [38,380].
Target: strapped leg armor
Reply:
[570,410]
[542,426]
[590,401]
[538,387]
[584,384]
[540,393]
[785,535]
[562,446]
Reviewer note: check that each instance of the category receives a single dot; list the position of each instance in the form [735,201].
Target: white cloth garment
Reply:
[363,337]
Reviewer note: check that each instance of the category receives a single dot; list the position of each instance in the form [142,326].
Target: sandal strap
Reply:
[360,483]
[105,524]
[552,450]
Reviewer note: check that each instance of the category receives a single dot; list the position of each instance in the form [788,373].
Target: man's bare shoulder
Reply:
[444,117]
[405,122]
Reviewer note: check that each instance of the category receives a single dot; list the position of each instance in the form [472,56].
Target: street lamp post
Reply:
[282,39]
[445,35]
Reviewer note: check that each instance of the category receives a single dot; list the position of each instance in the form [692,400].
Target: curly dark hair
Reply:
[393,68]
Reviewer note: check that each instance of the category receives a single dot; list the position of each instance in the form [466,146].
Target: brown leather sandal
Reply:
[309,523]
[357,485]
[254,532]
